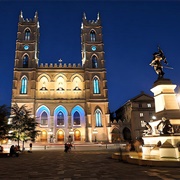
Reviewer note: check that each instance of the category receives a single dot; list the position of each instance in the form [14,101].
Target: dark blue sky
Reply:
[131,32]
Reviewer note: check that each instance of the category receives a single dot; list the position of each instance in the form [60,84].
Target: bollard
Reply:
[45,147]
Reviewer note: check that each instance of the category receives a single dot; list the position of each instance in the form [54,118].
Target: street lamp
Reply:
[95,132]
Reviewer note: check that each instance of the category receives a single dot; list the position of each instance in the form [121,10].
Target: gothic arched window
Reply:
[76,83]
[94,62]
[44,118]
[61,84]
[93,36]
[98,118]
[76,118]
[27,35]
[24,85]
[44,83]
[25,61]
[60,118]
[96,89]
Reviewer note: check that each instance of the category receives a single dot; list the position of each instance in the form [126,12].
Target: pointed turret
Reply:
[84,20]
[21,19]
[98,18]
[36,17]
[84,15]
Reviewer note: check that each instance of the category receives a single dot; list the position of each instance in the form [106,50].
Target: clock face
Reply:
[93,48]
[26,47]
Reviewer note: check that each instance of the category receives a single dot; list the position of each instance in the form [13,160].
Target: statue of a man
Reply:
[156,62]
[148,127]
[165,127]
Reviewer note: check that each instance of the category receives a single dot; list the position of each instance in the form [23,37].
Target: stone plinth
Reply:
[169,152]
[153,140]
[166,103]
[168,147]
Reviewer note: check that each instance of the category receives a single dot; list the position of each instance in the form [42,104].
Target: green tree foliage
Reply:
[4,128]
[23,125]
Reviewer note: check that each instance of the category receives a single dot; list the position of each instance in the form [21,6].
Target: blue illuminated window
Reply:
[44,118]
[76,118]
[93,36]
[27,35]
[24,85]
[96,86]
[25,61]
[94,62]
[60,118]
[98,118]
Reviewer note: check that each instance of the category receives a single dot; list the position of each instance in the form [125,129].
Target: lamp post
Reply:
[95,132]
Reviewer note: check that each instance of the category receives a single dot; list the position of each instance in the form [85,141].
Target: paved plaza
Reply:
[78,164]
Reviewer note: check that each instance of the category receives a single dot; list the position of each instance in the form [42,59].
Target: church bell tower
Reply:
[26,61]
[92,49]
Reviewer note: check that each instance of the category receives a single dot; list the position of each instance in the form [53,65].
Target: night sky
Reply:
[132,30]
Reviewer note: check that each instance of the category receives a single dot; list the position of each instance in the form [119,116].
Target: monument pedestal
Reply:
[166,105]
[168,147]
[169,152]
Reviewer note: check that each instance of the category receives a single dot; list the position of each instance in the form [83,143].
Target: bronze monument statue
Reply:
[165,127]
[156,62]
[148,130]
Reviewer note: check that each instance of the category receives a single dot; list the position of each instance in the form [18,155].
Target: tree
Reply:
[23,125]
[4,128]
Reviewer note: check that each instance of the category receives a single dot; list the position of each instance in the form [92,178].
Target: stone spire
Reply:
[84,15]
[98,16]
[21,19]
[36,17]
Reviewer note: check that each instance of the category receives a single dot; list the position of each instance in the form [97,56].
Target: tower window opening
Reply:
[93,36]
[24,85]
[96,86]
[98,118]
[94,62]
[25,61]
[27,35]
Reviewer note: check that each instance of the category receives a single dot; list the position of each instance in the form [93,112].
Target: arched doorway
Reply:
[115,135]
[60,136]
[43,136]
[127,134]
[77,135]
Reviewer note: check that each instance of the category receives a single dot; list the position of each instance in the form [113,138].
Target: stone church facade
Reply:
[67,100]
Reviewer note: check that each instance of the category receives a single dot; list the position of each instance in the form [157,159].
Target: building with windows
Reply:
[68,100]
[132,116]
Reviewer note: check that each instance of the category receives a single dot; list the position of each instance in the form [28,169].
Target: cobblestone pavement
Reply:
[90,165]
